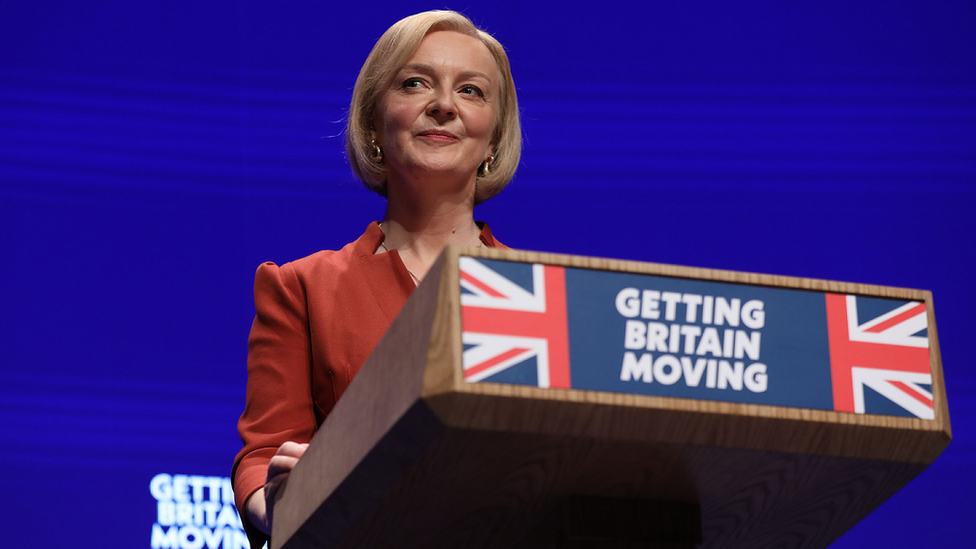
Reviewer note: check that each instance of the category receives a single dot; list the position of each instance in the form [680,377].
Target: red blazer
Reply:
[318,319]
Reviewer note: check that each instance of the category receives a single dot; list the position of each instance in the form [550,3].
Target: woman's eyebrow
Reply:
[418,67]
[474,74]
[427,69]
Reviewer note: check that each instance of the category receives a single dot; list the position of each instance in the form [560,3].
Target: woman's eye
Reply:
[412,83]
[472,90]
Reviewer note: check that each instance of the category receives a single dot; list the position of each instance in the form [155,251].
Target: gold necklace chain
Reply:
[416,279]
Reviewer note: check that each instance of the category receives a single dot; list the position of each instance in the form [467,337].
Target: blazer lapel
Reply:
[385,274]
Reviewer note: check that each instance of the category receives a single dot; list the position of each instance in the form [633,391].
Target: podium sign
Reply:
[540,400]
[571,328]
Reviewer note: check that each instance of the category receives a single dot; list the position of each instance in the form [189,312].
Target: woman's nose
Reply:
[442,106]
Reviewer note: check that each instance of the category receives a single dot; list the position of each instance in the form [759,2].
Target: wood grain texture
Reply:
[502,490]
[496,407]
[938,381]
[413,456]
[443,374]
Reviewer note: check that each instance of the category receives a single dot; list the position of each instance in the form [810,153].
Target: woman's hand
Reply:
[260,506]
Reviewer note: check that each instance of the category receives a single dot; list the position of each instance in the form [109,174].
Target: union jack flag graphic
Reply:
[883,353]
[505,324]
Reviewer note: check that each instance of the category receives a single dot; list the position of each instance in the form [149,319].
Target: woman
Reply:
[433,127]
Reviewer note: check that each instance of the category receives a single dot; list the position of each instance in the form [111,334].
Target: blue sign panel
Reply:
[560,327]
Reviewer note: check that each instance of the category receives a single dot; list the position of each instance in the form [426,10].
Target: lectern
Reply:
[538,400]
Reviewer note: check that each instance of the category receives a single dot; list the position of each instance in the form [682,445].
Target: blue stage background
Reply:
[152,154]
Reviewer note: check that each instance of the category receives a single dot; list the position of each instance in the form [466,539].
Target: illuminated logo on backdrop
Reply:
[195,512]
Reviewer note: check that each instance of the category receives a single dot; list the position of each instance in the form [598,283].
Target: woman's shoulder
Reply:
[324,262]
[323,259]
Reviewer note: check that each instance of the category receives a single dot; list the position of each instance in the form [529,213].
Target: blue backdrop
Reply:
[152,154]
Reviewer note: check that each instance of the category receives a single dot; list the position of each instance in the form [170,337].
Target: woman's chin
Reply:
[434,167]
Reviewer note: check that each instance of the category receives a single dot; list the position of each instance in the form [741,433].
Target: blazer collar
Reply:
[386,274]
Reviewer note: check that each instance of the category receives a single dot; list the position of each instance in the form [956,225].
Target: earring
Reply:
[485,168]
[377,152]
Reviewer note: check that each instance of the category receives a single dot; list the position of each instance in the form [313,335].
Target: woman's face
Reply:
[438,115]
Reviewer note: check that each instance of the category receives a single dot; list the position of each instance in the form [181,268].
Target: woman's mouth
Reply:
[438,135]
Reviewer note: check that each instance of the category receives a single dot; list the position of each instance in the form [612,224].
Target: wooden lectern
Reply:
[537,400]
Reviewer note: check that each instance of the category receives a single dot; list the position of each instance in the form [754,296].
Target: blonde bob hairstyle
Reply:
[389,55]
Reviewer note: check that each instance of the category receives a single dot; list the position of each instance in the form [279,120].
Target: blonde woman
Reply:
[433,127]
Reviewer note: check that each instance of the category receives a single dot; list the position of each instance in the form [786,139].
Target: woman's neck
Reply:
[420,229]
